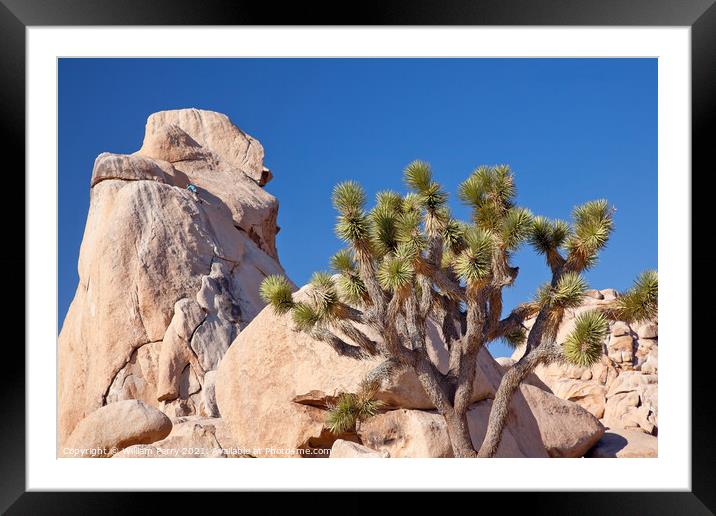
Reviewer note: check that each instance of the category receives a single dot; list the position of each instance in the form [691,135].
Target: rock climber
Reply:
[192,188]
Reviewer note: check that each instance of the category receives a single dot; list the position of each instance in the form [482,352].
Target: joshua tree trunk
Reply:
[459,434]
[501,404]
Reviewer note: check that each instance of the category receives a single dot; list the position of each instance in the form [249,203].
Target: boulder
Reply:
[648,330]
[407,433]
[191,437]
[166,279]
[114,427]
[566,429]
[342,449]
[589,395]
[624,443]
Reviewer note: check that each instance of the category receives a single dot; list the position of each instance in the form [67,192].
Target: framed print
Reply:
[430,234]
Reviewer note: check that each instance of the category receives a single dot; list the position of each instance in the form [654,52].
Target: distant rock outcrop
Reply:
[621,389]
[167,277]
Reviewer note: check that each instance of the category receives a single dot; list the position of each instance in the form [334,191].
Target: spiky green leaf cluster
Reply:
[490,191]
[305,317]
[275,290]
[384,229]
[390,200]
[353,228]
[342,262]
[350,408]
[348,197]
[593,224]
[323,293]
[419,178]
[454,235]
[395,273]
[641,302]
[548,235]
[584,346]
[569,291]
[473,264]
[515,228]
[351,289]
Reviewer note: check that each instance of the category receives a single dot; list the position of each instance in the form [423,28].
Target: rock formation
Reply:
[621,389]
[167,278]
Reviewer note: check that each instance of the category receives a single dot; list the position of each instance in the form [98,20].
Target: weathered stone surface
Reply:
[567,430]
[621,388]
[229,166]
[166,279]
[620,328]
[587,394]
[114,427]
[342,449]
[624,443]
[190,437]
[135,168]
[407,433]
[647,331]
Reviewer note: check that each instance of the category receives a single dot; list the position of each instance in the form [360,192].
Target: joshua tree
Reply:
[408,260]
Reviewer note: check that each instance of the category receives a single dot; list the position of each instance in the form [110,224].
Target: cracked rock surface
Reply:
[166,279]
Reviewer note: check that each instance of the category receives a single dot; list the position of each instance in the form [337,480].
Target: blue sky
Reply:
[571,129]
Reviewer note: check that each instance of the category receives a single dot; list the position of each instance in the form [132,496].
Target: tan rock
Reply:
[229,168]
[609,294]
[621,349]
[191,437]
[589,395]
[567,430]
[620,328]
[115,427]
[343,449]
[625,444]
[521,436]
[595,294]
[648,331]
[407,433]
[166,281]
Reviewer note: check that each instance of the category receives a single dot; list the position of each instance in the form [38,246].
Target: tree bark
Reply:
[501,404]
[459,434]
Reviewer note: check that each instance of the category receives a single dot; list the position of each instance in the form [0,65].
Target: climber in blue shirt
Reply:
[192,188]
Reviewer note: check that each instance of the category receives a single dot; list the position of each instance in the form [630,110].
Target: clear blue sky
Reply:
[572,130]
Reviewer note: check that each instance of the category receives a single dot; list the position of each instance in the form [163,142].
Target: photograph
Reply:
[388,257]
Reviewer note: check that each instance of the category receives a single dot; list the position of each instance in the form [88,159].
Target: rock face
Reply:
[167,279]
[274,384]
[116,426]
[190,437]
[349,450]
[620,390]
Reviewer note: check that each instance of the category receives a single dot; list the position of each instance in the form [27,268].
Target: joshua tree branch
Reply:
[340,346]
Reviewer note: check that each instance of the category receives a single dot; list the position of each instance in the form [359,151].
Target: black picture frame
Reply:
[17,15]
